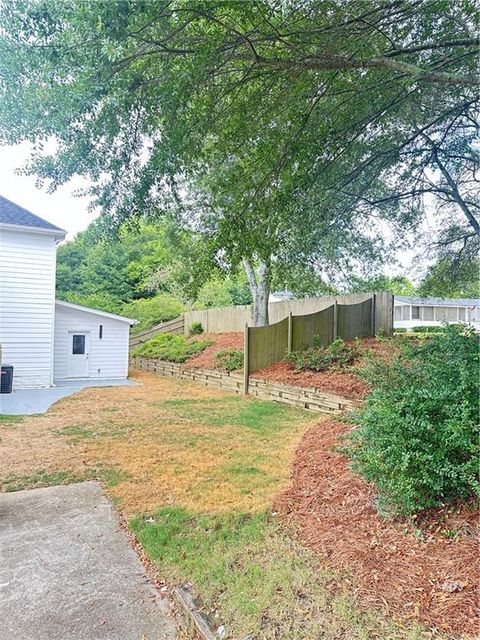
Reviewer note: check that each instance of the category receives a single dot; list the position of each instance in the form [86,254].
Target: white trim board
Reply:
[105,314]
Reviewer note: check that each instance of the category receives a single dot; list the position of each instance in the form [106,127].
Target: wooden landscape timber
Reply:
[194,623]
[308,398]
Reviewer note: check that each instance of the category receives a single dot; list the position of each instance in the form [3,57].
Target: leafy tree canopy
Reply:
[285,129]
[400,285]
[136,263]
[453,279]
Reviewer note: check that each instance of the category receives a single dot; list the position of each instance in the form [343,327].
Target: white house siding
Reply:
[27,297]
[108,355]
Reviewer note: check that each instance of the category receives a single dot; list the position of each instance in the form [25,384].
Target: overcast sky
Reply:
[61,208]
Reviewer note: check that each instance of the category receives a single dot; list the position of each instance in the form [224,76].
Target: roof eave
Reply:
[57,233]
[105,314]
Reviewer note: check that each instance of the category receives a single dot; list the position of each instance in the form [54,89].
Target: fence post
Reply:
[245,361]
[374,310]
[290,332]
[335,319]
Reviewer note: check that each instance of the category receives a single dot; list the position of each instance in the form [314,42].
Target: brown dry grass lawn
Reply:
[163,443]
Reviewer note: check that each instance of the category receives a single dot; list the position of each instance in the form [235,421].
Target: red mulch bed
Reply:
[345,384]
[426,577]
[206,359]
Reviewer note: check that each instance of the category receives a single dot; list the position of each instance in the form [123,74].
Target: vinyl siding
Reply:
[108,356]
[27,294]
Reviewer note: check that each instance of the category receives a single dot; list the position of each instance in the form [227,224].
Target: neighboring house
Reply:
[43,338]
[411,311]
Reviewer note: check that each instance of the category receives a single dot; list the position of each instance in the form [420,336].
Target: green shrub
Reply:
[229,359]
[337,355]
[400,330]
[171,347]
[195,328]
[152,311]
[417,437]
[429,329]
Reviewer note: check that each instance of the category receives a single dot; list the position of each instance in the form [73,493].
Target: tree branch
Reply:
[455,192]
[329,63]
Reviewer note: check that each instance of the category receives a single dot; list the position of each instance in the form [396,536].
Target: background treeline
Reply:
[155,270]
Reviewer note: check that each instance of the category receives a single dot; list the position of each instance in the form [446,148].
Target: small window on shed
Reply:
[406,312]
[440,314]
[100,332]
[398,313]
[416,313]
[461,314]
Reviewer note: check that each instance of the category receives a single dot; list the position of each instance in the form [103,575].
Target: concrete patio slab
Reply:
[35,401]
[67,571]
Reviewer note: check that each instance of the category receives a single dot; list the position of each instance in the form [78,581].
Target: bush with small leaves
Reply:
[337,355]
[417,437]
[229,359]
[195,328]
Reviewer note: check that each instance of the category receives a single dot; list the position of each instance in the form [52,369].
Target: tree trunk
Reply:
[259,283]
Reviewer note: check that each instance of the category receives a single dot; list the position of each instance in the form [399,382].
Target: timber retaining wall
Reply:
[303,397]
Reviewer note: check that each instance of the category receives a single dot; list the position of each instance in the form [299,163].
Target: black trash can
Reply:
[6,378]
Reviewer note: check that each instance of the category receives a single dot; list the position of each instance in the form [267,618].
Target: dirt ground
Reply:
[206,359]
[342,383]
[427,571]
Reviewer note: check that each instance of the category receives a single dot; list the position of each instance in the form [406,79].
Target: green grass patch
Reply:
[41,478]
[259,416]
[75,433]
[258,576]
[105,429]
[11,419]
[171,347]
[110,476]
[243,470]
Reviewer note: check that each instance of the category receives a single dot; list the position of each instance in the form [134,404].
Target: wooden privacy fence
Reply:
[317,314]
[224,319]
[172,326]
[269,344]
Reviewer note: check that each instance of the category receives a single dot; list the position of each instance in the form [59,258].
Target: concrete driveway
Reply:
[23,402]
[67,571]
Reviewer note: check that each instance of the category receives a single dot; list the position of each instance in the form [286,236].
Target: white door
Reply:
[78,354]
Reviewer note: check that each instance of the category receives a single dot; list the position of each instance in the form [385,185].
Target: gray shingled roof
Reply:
[11,213]
[444,302]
